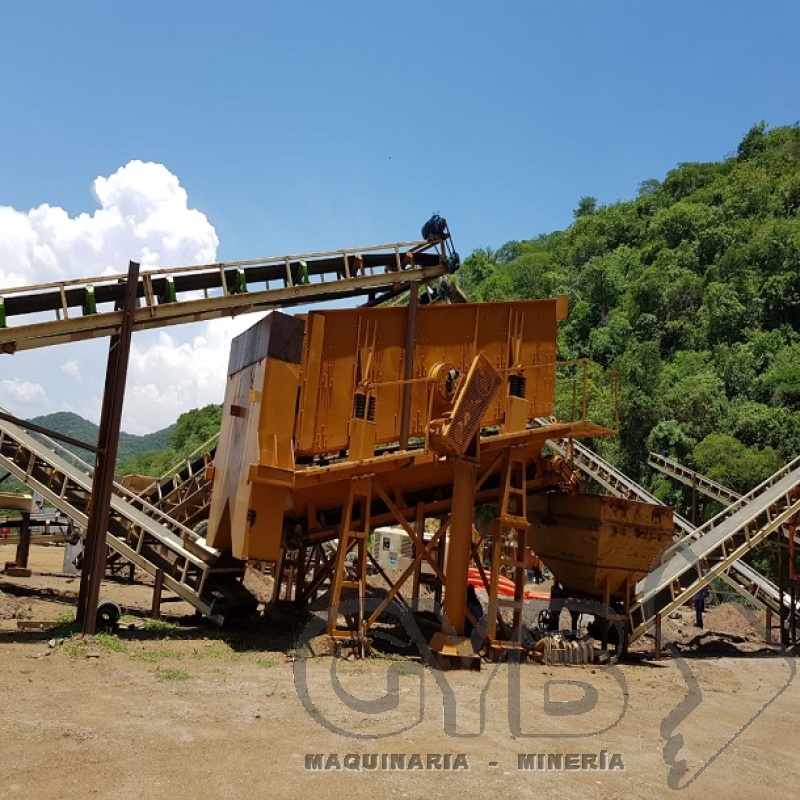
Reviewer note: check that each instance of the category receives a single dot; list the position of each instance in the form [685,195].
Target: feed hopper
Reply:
[597,546]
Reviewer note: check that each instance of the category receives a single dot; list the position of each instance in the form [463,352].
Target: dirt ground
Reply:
[181,709]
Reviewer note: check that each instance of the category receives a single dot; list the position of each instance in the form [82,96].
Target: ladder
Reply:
[87,308]
[355,532]
[201,575]
[509,533]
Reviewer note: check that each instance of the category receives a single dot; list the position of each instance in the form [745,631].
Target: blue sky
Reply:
[304,126]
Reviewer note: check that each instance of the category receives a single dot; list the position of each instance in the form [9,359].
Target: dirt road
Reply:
[180,711]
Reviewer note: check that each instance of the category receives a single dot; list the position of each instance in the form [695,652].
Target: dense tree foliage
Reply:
[691,292]
[76,427]
[193,429]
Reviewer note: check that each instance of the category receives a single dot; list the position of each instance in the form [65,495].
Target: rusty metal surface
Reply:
[106,458]
[195,293]
[589,540]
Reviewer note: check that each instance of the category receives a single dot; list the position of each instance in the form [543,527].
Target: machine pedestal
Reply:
[454,652]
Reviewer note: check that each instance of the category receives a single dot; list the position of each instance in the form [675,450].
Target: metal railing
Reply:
[86,308]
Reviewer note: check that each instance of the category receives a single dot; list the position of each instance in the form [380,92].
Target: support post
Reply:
[155,610]
[782,610]
[302,571]
[451,647]
[657,642]
[420,527]
[108,441]
[408,364]
[24,545]
[278,576]
[460,548]
[441,549]
[769,626]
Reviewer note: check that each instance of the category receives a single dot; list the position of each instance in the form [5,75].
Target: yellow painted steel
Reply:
[320,407]
[300,433]
[362,351]
[591,542]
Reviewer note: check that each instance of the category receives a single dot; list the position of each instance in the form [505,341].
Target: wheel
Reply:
[548,621]
[108,615]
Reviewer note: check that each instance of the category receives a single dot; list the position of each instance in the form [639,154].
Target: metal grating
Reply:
[481,383]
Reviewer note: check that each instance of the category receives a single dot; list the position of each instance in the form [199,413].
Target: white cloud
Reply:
[18,394]
[143,215]
[72,368]
[167,377]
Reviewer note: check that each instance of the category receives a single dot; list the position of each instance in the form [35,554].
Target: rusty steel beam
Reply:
[108,443]
[408,365]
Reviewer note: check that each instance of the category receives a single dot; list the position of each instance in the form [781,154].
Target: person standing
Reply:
[533,567]
[700,606]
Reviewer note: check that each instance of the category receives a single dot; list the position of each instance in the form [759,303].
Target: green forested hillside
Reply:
[192,429]
[77,427]
[692,292]
[151,454]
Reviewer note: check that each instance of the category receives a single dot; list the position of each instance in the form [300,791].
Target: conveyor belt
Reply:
[714,548]
[758,587]
[676,470]
[184,491]
[203,576]
[88,308]
[743,578]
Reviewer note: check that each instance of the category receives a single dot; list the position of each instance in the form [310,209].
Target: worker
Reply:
[700,606]
[434,228]
[533,567]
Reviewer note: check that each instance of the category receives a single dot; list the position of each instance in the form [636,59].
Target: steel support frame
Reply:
[108,442]
[509,536]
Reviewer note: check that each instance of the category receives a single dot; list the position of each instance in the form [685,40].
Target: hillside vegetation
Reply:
[691,292]
[152,454]
[192,429]
[77,427]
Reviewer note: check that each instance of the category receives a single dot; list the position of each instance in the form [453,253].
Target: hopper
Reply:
[588,540]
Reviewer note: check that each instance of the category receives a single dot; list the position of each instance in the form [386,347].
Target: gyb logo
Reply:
[711,714]
[400,705]
[702,714]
